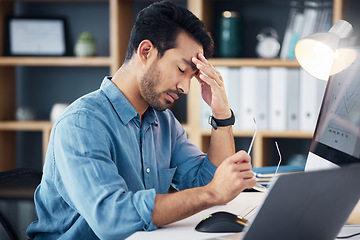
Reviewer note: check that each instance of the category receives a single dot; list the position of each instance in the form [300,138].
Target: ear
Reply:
[145,50]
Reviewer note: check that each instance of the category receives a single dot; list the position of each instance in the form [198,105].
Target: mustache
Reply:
[178,93]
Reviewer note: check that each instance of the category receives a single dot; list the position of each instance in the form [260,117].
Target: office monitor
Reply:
[336,139]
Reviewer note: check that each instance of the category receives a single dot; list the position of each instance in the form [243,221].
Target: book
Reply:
[262,96]
[247,91]
[295,35]
[325,17]
[311,94]
[294,10]
[234,96]
[311,16]
[278,98]
[293,99]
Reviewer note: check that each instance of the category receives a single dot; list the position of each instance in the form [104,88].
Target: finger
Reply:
[202,57]
[205,61]
[208,71]
[241,157]
[205,67]
[201,76]
[211,81]
[244,180]
[245,167]
[249,183]
[247,175]
[214,72]
[240,169]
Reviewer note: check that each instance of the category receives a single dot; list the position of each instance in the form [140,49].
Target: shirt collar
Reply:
[122,106]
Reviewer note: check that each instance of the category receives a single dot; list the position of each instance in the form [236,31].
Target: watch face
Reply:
[268,47]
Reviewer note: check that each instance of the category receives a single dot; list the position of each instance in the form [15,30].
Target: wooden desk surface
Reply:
[185,229]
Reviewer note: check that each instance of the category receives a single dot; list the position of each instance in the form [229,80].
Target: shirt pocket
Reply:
[165,179]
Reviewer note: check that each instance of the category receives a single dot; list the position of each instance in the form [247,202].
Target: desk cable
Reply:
[349,236]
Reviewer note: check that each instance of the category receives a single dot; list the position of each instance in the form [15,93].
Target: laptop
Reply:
[310,205]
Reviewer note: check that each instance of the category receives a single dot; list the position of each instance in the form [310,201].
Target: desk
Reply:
[185,229]
[241,205]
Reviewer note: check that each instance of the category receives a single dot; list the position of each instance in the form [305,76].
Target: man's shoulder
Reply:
[92,100]
[93,105]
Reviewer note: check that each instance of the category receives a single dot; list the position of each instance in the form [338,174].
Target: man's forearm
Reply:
[177,206]
[232,177]
[222,145]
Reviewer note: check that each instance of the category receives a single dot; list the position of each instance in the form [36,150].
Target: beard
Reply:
[148,89]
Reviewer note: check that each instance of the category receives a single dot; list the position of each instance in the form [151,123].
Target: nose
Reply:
[184,85]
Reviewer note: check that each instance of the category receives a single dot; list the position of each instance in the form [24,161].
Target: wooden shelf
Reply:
[266,134]
[56,61]
[254,62]
[286,134]
[42,126]
[25,125]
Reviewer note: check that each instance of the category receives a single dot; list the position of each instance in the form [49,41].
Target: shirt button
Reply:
[148,170]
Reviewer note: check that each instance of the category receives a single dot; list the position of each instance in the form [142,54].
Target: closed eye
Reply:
[181,70]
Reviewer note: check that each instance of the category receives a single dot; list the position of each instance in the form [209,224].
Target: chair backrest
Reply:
[6,231]
[16,186]
[19,183]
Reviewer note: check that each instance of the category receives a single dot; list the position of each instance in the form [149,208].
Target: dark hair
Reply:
[161,22]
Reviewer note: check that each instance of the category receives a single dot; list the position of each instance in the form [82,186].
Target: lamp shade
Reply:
[345,54]
[317,52]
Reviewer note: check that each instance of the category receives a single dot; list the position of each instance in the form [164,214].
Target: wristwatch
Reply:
[215,123]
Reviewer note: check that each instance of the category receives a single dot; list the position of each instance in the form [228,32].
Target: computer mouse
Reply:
[221,222]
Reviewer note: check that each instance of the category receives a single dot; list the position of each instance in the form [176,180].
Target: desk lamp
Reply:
[324,54]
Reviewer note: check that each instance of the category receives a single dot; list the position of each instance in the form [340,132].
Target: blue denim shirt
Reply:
[104,166]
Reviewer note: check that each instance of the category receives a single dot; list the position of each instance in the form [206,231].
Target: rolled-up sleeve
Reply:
[194,169]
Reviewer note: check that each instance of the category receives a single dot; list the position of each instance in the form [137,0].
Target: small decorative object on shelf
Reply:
[268,45]
[24,113]
[85,45]
[57,110]
[230,35]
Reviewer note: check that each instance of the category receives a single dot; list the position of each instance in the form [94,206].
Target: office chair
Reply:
[17,184]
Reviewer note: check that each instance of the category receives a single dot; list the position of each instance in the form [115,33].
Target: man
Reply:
[115,152]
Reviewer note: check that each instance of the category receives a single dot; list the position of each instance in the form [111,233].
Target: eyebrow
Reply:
[191,64]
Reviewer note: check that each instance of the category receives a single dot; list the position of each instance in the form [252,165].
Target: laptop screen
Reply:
[336,139]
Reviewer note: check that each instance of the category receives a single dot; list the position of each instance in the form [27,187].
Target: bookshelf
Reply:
[263,143]
[120,22]
[118,12]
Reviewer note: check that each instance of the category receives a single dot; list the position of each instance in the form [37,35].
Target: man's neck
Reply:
[126,81]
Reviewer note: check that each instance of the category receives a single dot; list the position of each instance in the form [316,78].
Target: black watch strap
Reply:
[215,123]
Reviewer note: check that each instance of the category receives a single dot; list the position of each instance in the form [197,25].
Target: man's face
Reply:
[170,75]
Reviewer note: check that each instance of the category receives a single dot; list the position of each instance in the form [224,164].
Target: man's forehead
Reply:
[188,48]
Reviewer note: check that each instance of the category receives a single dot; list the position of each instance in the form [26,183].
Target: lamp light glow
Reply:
[320,55]
[344,55]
